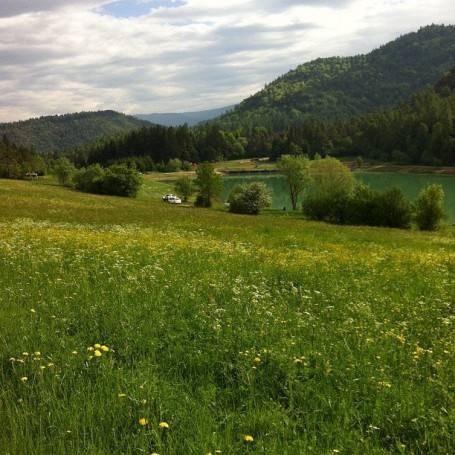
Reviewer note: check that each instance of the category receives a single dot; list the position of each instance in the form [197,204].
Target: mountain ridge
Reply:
[59,133]
[343,87]
[190,118]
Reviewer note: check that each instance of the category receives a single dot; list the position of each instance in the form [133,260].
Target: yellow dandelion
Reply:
[33,311]
[164,425]
[90,349]
[42,367]
[37,353]
[297,360]
[257,359]
[248,438]
[90,357]
[50,364]
[98,353]
[97,346]
[154,453]
[25,354]
[143,421]
[122,395]
[24,379]
[74,353]
[104,348]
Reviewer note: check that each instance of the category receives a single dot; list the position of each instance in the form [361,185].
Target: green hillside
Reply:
[343,87]
[238,334]
[66,132]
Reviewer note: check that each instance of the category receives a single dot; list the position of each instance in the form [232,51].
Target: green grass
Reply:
[309,337]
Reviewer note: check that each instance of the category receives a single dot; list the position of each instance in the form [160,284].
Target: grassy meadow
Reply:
[138,327]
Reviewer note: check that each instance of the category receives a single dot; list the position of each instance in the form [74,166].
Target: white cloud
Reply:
[71,55]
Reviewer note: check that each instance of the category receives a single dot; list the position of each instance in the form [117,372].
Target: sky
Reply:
[152,56]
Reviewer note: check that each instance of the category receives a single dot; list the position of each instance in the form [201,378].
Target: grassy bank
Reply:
[119,315]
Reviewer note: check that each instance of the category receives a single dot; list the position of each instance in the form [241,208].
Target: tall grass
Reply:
[119,315]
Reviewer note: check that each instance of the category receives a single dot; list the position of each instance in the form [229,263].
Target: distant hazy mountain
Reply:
[65,132]
[191,118]
[344,87]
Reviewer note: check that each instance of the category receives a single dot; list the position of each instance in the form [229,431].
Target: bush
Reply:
[117,180]
[120,180]
[394,209]
[363,207]
[90,179]
[427,209]
[333,208]
[202,201]
[249,199]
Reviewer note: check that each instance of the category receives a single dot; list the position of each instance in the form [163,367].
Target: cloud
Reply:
[17,7]
[72,55]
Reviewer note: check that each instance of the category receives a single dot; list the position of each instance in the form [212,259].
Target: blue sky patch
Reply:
[136,8]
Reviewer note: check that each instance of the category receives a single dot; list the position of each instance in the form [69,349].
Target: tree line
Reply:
[420,131]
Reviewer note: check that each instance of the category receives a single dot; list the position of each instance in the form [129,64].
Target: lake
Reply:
[411,184]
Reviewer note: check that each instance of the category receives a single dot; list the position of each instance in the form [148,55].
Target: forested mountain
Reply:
[419,131]
[58,133]
[178,119]
[345,87]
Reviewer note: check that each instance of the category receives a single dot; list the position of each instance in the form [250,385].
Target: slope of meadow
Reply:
[133,326]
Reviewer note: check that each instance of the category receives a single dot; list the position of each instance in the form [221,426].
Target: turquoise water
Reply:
[410,184]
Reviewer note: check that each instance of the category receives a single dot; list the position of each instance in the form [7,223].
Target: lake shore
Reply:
[264,166]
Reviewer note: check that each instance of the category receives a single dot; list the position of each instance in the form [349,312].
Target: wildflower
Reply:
[384,384]
[42,367]
[25,354]
[24,379]
[50,364]
[257,359]
[164,425]
[96,345]
[33,311]
[143,421]
[104,348]
[90,349]
[401,338]
[297,360]
[248,438]
[74,353]
[122,395]
[98,353]
[90,357]
[37,353]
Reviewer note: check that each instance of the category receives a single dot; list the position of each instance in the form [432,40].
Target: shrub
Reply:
[333,208]
[90,179]
[116,180]
[362,207]
[121,180]
[249,199]
[427,208]
[394,209]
